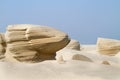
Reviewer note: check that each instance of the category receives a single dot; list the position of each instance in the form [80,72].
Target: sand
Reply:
[52,70]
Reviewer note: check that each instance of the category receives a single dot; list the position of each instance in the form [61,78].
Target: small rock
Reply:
[60,59]
[106,63]
[74,44]
[69,54]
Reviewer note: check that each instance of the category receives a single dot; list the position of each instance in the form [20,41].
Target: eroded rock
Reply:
[2,46]
[108,46]
[74,44]
[33,43]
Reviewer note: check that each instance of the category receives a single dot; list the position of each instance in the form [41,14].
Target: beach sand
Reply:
[52,70]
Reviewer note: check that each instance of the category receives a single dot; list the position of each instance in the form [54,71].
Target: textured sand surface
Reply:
[51,70]
[69,70]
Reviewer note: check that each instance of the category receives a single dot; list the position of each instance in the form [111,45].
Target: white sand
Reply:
[70,70]
[88,47]
[51,70]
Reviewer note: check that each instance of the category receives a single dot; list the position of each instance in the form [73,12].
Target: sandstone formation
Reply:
[2,46]
[74,44]
[33,43]
[108,46]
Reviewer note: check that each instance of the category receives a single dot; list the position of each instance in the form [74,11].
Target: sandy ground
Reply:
[51,70]
[70,70]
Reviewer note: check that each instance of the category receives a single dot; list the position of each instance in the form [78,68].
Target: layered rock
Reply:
[108,46]
[33,43]
[2,46]
[74,44]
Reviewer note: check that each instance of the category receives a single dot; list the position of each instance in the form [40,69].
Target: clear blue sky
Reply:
[84,20]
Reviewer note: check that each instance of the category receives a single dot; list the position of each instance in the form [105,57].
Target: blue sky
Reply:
[84,20]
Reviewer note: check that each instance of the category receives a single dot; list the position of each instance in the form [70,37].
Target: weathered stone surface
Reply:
[108,46]
[2,46]
[33,43]
[12,36]
[74,44]
[2,38]
[2,51]
[18,27]
[42,32]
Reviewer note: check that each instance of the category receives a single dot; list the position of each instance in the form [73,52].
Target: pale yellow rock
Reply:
[60,59]
[2,46]
[74,44]
[21,55]
[16,47]
[43,32]
[2,52]
[41,44]
[49,45]
[2,49]
[18,27]
[108,46]
[2,38]
[12,36]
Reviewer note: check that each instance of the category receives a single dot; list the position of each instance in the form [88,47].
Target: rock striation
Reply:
[33,43]
[2,46]
[108,46]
